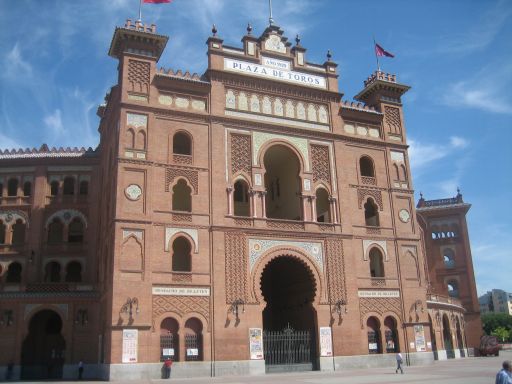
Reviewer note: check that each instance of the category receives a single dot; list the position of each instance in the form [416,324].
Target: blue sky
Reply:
[456,55]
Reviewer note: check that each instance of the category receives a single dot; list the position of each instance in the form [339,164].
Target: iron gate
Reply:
[288,350]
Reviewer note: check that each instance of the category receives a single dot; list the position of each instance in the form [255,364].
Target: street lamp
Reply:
[129,306]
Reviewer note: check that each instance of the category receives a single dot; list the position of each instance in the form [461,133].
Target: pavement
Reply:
[471,370]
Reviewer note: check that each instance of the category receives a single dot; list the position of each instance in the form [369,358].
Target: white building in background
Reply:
[496,301]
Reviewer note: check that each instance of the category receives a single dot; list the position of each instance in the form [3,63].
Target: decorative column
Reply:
[334,210]
[263,195]
[312,201]
[230,200]
[304,208]
[252,194]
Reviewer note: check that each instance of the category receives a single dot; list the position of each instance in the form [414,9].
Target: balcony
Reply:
[441,300]
[377,282]
[15,200]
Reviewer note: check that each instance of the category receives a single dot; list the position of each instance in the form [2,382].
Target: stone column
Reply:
[312,201]
[230,200]
[334,210]
[252,194]
[263,195]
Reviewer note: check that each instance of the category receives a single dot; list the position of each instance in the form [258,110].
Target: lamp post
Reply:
[129,306]
[235,307]
[81,318]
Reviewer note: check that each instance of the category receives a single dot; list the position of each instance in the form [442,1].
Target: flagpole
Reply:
[376,56]
[140,10]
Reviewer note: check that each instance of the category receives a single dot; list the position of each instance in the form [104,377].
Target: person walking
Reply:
[504,376]
[399,362]
[80,369]
[167,368]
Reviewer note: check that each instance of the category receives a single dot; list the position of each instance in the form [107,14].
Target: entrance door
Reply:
[42,355]
[289,319]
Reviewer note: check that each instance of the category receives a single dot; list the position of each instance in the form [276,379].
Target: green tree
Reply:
[502,333]
[492,321]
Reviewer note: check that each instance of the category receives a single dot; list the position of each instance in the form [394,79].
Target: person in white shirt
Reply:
[399,362]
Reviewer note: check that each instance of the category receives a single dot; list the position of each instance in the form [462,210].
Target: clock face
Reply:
[133,192]
[404,215]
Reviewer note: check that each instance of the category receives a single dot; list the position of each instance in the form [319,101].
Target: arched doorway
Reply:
[289,318]
[433,338]
[447,338]
[460,343]
[42,355]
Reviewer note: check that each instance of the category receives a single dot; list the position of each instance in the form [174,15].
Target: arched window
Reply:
[74,272]
[181,144]
[241,199]
[55,231]
[323,212]
[181,258]
[130,138]
[141,140]
[3,229]
[69,186]
[366,167]
[76,231]
[12,187]
[194,340]
[376,263]
[447,338]
[14,273]
[84,188]
[453,288]
[391,334]
[282,183]
[404,172]
[371,213]
[27,188]
[52,272]
[397,172]
[18,232]
[169,340]
[373,330]
[181,197]
[449,258]
[54,188]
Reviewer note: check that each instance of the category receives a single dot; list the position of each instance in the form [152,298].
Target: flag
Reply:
[379,51]
[157,1]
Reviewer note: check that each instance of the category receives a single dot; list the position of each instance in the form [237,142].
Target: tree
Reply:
[502,333]
[493,321]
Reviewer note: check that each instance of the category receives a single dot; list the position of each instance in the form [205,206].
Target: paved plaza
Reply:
[474,370]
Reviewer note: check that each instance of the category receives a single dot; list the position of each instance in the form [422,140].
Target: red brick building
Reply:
[225,215]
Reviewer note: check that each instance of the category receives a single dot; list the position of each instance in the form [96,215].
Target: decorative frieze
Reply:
[362,130]
[257,247]
[260,138]
[269,105]
[182,102]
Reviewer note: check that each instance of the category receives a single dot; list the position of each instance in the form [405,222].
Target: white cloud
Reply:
[458,142]
[422,154]
[54,122]
[14,64]
[485,95]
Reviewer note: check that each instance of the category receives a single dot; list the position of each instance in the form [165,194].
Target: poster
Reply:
[168,352]
[192,352]
[419,336]
[325,341]
[130,345]
[256,343]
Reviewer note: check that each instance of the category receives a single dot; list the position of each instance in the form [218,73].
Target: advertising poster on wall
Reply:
[325,341]
[256,343]
[130,345]
[419,336]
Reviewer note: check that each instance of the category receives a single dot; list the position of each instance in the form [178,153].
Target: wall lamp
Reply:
[7,318]
[81,317]
[129,306]
[235,307]
[340,307]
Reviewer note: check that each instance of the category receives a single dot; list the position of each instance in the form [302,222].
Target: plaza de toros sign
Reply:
[275,70]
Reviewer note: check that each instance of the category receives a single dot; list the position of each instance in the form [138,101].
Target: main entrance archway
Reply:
[42,355]
[289,318]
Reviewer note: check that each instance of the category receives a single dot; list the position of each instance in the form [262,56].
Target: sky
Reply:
[455,54]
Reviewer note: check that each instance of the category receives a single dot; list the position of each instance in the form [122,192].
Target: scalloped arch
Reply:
[66,215]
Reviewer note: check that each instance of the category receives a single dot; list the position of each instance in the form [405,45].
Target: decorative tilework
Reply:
[67,215]
[136,120]
[170,232]
[133,232]
[259,139]
[259,246]
[165,99]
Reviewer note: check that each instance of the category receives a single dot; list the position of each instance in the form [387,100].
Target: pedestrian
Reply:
[504,376]
[10,369]
[399,362]
[80,369]
[167,368]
